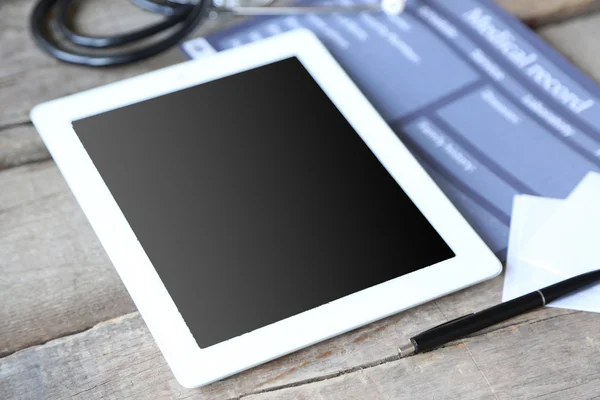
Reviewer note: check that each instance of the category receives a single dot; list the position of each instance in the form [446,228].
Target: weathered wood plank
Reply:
[447,374]
[55,278]
[550,359]
[19,145]
[539,12]
[547,357]
[553,359]
[578,40]
[118,359]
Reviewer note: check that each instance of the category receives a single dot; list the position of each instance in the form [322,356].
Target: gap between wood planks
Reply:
[63,336]
[20,144]
[458,344]
[463,343]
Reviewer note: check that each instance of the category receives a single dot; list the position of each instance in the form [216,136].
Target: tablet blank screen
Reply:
[255,199]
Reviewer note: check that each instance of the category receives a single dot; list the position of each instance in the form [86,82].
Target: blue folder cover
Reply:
[487,107]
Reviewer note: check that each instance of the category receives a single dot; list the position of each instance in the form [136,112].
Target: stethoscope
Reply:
[181,16]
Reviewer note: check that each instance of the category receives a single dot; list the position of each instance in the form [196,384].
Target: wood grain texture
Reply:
[578,40]
[448,374]
[55,278]
[80,362]
[119,359]
[21,144]
[539,12]
[553,358]
[551,355]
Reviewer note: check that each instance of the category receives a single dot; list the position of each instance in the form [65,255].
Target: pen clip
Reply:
[447,323]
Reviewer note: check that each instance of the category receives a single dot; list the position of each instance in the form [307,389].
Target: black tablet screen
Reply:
[255,199]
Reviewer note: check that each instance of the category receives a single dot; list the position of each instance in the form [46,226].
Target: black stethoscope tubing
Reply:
[92,50]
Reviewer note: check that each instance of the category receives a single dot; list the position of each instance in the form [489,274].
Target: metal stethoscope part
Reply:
[264,7]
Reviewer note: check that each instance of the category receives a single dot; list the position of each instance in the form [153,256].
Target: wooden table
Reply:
[68,329]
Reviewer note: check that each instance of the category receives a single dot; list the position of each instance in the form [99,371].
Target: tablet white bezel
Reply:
[193,366]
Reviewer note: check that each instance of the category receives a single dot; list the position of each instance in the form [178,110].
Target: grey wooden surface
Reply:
[68,329]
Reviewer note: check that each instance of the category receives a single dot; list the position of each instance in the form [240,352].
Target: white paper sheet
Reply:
[569,242]
[531,215]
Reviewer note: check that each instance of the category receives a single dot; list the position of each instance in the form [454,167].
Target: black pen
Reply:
[474,322]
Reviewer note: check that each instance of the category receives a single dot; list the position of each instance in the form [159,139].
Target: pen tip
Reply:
[406,350]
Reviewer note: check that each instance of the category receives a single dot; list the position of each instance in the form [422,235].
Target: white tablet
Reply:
[255,203]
